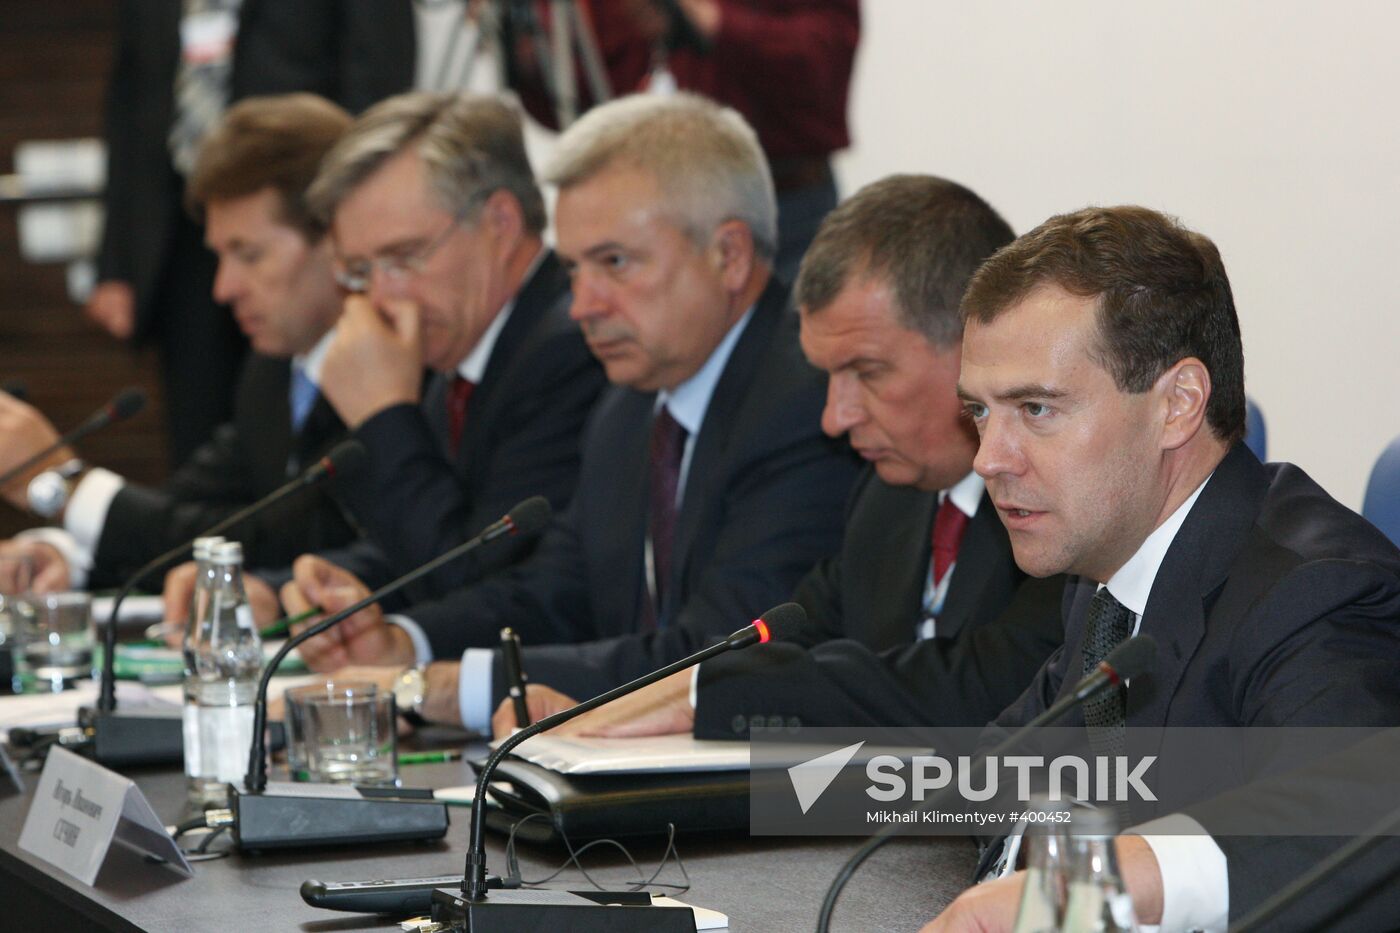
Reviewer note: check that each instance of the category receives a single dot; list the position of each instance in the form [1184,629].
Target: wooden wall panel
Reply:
[54,63]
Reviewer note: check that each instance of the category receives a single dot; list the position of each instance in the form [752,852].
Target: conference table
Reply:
[761,883]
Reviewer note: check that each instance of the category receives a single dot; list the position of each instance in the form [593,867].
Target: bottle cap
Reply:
[227,552]
[203,547]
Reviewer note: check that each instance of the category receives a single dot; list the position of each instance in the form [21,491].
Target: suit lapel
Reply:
[626,535]
[705,479]
[901,551]
[1196,565]
[985,551]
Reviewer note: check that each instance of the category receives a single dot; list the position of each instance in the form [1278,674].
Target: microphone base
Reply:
[576,911]
[125,737]
[296,816]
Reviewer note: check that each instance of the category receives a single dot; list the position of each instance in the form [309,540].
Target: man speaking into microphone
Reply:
[1103,367]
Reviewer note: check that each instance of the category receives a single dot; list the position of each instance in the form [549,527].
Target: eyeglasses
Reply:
[355,275]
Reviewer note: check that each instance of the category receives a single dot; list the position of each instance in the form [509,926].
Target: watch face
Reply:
[48,493]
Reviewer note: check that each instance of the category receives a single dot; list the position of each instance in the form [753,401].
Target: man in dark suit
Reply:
[909,624]
[437,223]
[275,273]
[1103,367]
[154,272]
[706,488]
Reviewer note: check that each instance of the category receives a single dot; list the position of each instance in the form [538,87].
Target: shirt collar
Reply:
[966,494]
[688,401]
[1132,584]
[474,366]
[312,360]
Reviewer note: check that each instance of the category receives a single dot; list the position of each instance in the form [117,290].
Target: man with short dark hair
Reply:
[275,272]
[1103,367]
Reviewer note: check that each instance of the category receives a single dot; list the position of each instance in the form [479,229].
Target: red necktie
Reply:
[948,528]
[458,395]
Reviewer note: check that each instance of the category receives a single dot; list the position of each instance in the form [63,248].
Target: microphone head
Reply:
[127,403]
[1133,657]
[529,517]
[781,623]
[345,459]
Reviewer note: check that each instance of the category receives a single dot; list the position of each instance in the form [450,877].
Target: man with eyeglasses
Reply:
[436,222]
[707,487]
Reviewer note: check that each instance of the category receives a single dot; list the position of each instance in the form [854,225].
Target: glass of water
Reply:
[16,576]
[295,701]
[350,735]
[55,642]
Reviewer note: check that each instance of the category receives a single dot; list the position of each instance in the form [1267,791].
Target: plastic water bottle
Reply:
[1047,873]
[227,661]
[1097,902]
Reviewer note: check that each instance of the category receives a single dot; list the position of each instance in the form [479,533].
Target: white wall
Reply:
[1271,126]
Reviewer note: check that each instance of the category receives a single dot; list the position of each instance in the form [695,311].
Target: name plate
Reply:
[80,809]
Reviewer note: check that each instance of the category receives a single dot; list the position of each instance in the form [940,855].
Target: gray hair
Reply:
[472,146]
[705,158]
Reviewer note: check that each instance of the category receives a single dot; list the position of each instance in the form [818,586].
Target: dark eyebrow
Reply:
[1023,392]
[1016,394]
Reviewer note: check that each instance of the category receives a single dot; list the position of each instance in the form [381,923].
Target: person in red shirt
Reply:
[784,64]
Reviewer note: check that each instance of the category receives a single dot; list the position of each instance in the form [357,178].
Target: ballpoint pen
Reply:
[515,676]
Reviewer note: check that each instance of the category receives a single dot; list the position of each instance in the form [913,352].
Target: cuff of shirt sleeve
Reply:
[474,689]
[86,513]
[1195,874]
[695,687]
[422,650]
[78,559]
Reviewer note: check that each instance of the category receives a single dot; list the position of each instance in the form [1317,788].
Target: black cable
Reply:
[194,822]
[513,864]
[833,893]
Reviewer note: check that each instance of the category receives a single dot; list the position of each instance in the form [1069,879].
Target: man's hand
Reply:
[112,306]
[991,907]
[982,908]
[178,593]
[23,433]
[374,361]
[364,638]
[543,701]
[47,571]
[661,709]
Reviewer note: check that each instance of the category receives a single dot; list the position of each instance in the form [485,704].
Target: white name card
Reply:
[80,809]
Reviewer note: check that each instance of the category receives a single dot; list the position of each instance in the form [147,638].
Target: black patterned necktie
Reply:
[1106,714]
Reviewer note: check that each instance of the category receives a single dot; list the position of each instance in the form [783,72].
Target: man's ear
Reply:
[1184,390]
[503,216]
[732,249]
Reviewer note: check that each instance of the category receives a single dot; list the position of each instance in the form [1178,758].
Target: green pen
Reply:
[428,758]
[281,626]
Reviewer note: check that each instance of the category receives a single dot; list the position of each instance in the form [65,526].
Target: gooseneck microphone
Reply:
[527,518]
[523,910]
[123,405]
[1130,659]
[345,459]
[270,818]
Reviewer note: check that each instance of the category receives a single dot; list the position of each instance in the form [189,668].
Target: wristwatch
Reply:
[409,690]
[49,491]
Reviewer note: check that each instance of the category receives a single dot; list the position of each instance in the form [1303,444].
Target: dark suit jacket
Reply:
[859,663]
[762,503]
[1274,606]
[354,52]
[520,438]
[246,459]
